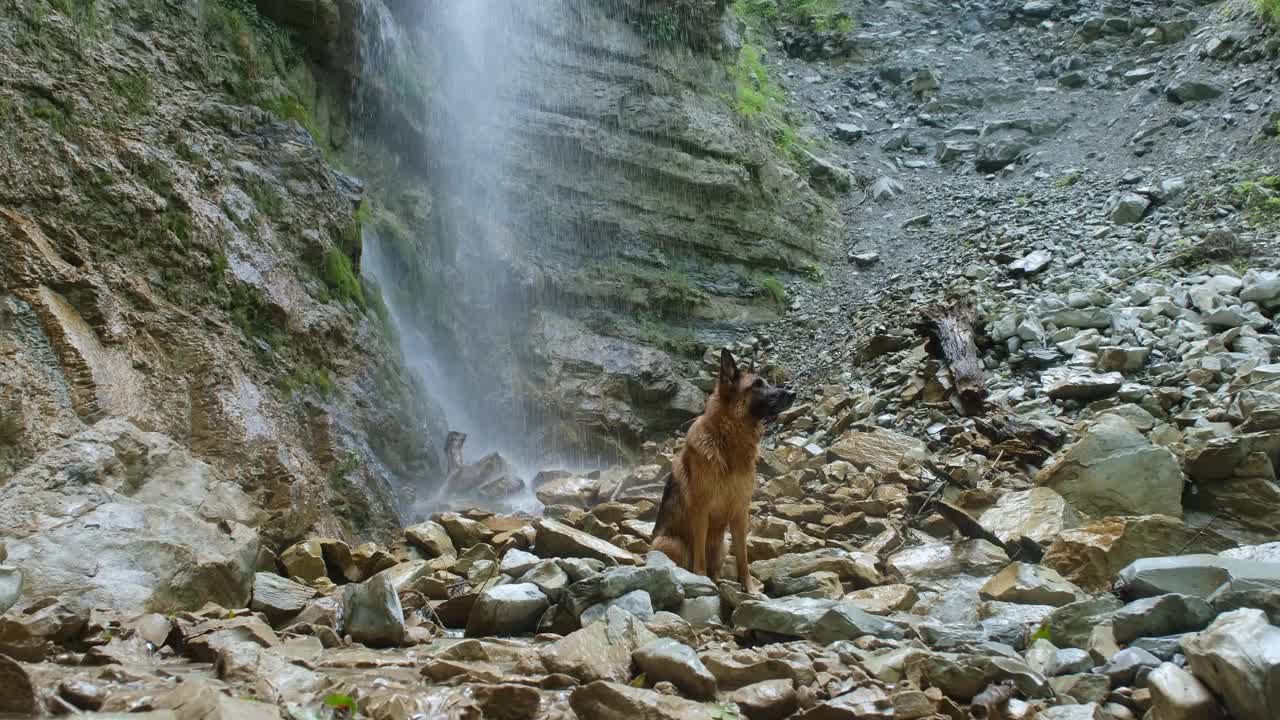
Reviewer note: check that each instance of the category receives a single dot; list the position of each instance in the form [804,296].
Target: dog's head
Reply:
[749,396]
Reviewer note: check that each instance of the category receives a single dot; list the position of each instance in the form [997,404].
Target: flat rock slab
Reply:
[677,663]
[555,539]
[615,701]
[600,651]
[278,598]
[1198,575]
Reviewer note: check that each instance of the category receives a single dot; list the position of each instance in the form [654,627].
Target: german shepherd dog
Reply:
[712,480]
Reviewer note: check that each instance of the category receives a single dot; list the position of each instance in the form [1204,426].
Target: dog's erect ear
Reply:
[728,368]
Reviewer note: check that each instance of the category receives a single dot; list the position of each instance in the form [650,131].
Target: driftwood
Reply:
[952,329]
[453,448]
[990,703]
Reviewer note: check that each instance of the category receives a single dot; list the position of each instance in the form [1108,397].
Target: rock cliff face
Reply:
[178,253]
[596,203]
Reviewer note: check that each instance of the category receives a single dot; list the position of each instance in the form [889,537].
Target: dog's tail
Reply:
[666,509]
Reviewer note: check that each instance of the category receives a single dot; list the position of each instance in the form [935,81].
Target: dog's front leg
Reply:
[738,528]
[698,526]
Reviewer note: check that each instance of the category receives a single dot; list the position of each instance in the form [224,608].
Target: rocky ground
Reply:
[1097,541]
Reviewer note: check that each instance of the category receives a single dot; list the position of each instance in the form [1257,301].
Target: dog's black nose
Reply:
[788,394]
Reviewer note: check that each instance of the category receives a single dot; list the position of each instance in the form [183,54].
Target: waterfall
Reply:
[460,314]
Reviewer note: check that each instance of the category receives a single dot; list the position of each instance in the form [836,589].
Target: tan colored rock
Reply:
[600,651]
[432,539]
[875,449]
[1029,585]
[1039,514]
[615,701]
[579,492]
[304,561]
[1091,555]
[768,700]
[884,599]
[555,539]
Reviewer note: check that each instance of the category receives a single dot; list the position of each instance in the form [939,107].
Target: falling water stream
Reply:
[460,343]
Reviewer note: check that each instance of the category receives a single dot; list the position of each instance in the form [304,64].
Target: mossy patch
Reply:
[341,278]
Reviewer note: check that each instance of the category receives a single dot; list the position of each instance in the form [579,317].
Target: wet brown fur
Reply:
[712,480]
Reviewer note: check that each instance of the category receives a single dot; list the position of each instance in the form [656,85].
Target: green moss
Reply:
[662,28]
[1067,181]
[134,90]
[773,289]
[269,203]
[252,314]
[1269,10]
[353,232]
[291,108]
[10,427]
[254,45]
[341,278]
[83,13]
[818,14]
[314,378]
[57,116]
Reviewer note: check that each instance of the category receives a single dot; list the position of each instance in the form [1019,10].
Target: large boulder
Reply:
[371,612]
[1178,695]
[1039,514]
[1199,575]
[1090,556]
[677,663]
[1238,657]
[601,650]
[1029,585]
[1114,470]
[875,448]
[555,539]
[120,518]
[512,609]
[1236,485]
[278,598]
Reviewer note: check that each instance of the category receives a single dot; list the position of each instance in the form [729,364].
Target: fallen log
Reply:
[952,330]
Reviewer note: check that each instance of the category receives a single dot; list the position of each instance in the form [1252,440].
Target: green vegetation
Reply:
[1022,200]
[83,13]
[57,116]
[252,314]
[254,44]
[134,89]
[353,233]
[318,379]
[10,427]
[755,91]
[1261,197]
[818,14]
[662,28]
[813,272]
[773,288]
[341,278]
[1269,10]
[288,107]
[269,202]
[338,701]
[1067,181]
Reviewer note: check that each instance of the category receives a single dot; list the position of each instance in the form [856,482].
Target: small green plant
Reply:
[1022,200]
[290,108]
[1067,181]
[819,14]
[134,89]
[353,232]
[269,202]
[813,272]
[57,116]
[251,313]
[756,91]
[341,703]
[83,13]
[255,43]
[662,28]
[773,288]
[723,711]
[316,378]
[341,278]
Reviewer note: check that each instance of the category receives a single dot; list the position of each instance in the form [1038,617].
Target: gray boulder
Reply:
[1160,615]
[120,518]
[1198,575]
[1193,90]
[512,609]
[371,612]
[846,621]
[1128,208]
[1238,658]
[678,664]
[636,602]
[1114,470]
[1178,695]
[278,598]
[656,579]
[601,650]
